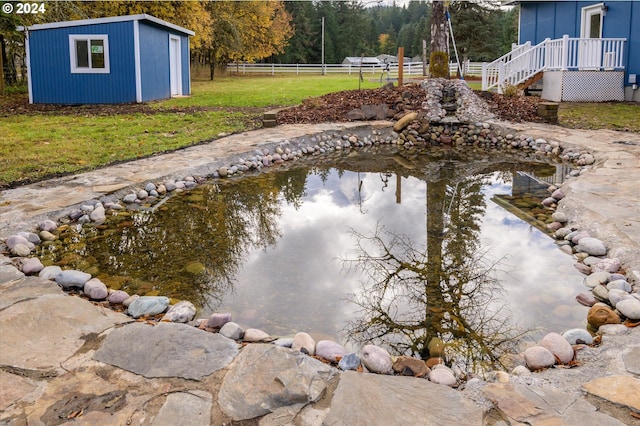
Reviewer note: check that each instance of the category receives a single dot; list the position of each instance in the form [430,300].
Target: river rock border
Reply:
[413,130]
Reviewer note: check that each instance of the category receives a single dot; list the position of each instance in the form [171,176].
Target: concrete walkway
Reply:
[52,346]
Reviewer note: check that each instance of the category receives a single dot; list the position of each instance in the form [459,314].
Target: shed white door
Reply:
[175,70]
[590,50]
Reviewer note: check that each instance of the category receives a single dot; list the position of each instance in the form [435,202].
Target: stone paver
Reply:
[169,350]
[48,339]
[376,399]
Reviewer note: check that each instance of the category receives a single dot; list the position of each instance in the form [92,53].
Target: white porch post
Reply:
[548,54]
[484,76]
[500,77]
[565,52]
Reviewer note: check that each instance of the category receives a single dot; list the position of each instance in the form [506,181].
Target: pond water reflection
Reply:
[392,248]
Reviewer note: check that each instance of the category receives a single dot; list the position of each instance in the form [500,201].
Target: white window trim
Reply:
[587,11]
[73,59]
[179,61]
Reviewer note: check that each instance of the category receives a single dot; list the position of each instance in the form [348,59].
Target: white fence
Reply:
[410,69]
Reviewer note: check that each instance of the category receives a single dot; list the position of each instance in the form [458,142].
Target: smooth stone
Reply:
[537,357]
[20,250]
[32,266]
[558,194]
[611,265]
[284,342]
[442,376]
[616,276]
[329,350]
[98,214]
[586,299]
[559,217]
[48,225]
[150,187]
[95,289]
[595,279]
[71,278]
[601,293]
[616,295]
[130,198]
[15,240]
[349,362]
[50,272]
[148,305]
[562,232]
[304,343]
[630,308]
[177,350]
[601,314]
[117,297]
[582,268]
[231,330]
[549,201]
[217,320]
[558,346]
[592,246]
[575,239]
[521,371]
[255,335]
[376,359]
[264,378]
[578,336]
[47,236]
[409,366]
[183,311]
[31,237]
[142,194]
[130,300]
[620,285]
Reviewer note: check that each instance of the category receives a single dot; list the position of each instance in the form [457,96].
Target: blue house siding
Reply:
[138,56]
[553,19]
[53,82]
[186,65]
[154,62]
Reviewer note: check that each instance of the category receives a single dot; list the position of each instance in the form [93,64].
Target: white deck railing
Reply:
[563,54]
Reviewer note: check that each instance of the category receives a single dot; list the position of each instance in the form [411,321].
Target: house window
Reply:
[89,54]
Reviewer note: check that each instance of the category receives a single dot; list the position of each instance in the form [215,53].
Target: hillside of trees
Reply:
[287,31]
[483,31]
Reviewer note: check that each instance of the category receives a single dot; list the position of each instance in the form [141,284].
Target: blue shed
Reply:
[583,50]
[121,59]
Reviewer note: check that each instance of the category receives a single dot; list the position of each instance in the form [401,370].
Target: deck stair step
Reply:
[531,80]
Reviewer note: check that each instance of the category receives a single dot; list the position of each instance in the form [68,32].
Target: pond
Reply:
[400,248]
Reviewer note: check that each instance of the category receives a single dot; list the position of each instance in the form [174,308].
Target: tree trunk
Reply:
[439,57]
[212,63]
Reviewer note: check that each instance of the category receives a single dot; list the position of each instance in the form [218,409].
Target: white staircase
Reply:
[525,61]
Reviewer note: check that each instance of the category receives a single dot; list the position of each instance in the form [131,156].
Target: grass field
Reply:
[38,144]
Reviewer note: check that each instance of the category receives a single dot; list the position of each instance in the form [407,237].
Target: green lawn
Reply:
[608,115]
[265,91]
[41,144]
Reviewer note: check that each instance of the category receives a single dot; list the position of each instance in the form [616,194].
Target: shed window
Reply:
[89,53]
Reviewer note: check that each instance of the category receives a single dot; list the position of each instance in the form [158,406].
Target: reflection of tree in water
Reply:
[444,290]
[215,228]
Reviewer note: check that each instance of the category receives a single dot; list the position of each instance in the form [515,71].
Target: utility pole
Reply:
[322,54]
[424,58]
